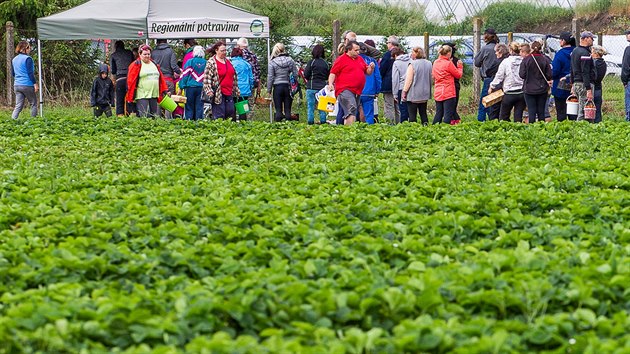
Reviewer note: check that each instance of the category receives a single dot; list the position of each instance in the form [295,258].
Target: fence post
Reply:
[574,28]
[10,47]
[336,38]
[600,38]
[477,23]
[510,37]
[426,44]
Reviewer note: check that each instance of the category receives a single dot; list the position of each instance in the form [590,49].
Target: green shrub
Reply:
[514,16]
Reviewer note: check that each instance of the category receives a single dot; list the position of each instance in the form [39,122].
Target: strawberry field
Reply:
[137,236]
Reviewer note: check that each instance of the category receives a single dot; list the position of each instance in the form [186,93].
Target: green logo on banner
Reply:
[257,27]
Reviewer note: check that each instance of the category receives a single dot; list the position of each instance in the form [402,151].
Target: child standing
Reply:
[102,94]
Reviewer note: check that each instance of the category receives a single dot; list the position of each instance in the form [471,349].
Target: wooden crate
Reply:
[493,98]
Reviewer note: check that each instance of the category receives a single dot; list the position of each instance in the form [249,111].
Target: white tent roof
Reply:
[139,19]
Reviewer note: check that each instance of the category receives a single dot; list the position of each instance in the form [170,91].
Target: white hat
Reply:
[242,42]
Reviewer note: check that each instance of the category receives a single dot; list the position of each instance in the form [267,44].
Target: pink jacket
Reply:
[445,73]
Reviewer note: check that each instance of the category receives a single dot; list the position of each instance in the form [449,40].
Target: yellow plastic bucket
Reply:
[242,107]
[326,103]
[168,104]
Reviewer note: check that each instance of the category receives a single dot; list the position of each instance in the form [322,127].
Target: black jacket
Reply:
[582,68]
[600,72]
[625,66]
[534,83]
[120,61]
[316,74]
[102,92]
[385,68]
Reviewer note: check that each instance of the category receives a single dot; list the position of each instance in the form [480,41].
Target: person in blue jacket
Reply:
[245,75]
[561,67]
[24,83]
[371,89]
[191,82]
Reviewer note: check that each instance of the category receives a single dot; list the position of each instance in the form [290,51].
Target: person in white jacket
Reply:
[508,79]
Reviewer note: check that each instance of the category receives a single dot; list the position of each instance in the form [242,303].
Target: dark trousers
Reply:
[598,100]
[445,111]
[511,102]
[561,109]
[99,109]
[225,109]
[418,108]
[457,88]
[193,109]
[121,91]
[282,101]
[536,107]
[402,106]
[148,107]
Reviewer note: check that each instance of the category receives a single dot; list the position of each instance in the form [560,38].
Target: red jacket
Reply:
[132,80]
[445,73]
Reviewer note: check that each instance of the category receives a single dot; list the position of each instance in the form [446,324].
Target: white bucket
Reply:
[572,108]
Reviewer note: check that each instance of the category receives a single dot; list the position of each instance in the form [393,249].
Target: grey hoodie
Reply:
[278,71]
[508,76]
[399,70]
[164,55]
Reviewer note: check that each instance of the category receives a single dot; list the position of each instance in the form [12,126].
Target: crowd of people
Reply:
[143,77]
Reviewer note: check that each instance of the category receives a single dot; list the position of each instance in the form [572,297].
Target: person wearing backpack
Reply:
[316,74]
[279,72]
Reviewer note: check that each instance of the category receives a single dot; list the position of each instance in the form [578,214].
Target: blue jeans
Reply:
[482,112]
[628,103]
[194,104]
[311,106]
[367,102]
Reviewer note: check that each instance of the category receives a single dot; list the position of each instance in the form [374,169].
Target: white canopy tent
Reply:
[150,19]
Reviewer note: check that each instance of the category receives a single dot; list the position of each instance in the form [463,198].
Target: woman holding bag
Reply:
[220,82]
[536,73]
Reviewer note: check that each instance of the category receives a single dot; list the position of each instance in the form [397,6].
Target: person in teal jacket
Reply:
[245,76]
[192,82]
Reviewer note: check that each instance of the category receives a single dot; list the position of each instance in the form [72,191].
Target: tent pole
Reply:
[41,86]
[268,60]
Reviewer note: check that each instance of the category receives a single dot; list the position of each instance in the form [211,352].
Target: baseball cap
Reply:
[565,36]
[490,31]
[586,34]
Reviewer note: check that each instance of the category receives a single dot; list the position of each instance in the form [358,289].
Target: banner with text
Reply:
[209,28]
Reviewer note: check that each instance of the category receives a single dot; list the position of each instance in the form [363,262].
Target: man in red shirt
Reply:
[347,78]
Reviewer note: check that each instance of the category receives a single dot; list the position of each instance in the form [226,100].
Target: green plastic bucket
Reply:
[242,107]
[168,104]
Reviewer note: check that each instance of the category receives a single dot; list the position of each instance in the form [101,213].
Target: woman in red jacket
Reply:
[444,74]
[145,84]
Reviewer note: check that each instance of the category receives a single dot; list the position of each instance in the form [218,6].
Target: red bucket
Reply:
[589,110]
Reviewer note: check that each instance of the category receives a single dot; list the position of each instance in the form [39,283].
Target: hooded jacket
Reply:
[373,81]
[444,74]
[278,70]
[561,67]
[164,55]
[102,92]
[399,70]
[192,76]
[507,76]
